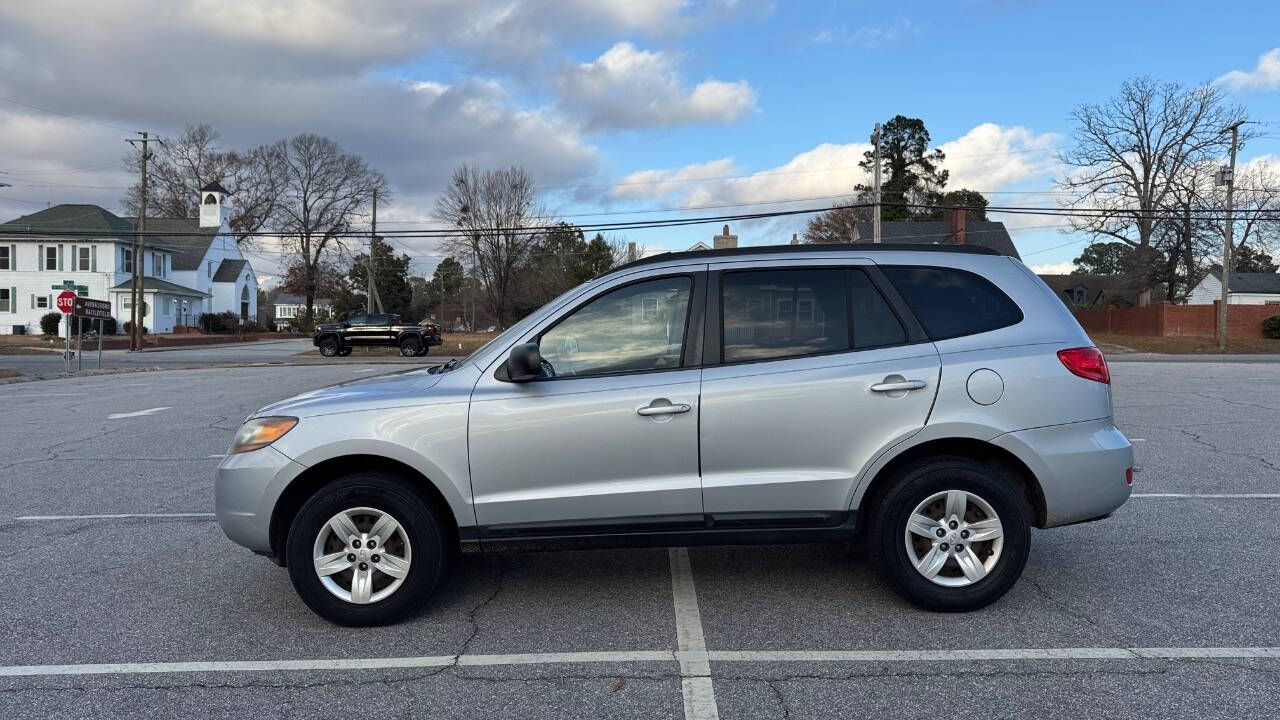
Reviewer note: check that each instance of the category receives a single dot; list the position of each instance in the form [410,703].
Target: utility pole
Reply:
[136,293]
[373,238]
[875,186]
[1227,247]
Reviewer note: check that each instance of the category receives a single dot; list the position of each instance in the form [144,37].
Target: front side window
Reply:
[950,303]
[635,328]
[772,314]
[358,319]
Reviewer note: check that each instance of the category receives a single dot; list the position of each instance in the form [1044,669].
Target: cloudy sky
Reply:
[615,106]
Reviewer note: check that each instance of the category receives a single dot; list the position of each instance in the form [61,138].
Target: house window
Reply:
[82,259]
[209,268]
[6,262]
[50,257]
[40,302]
[649,311]
[5,300]
[126,259]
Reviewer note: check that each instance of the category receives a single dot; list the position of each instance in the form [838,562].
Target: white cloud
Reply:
[868,36]
[627,87]
[1265,76]
[1059,268]
[988,158]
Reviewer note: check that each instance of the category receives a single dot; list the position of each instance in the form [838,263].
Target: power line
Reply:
[65,115]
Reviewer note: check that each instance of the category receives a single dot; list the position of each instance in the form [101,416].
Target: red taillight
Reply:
[1128,476]
[1087,362]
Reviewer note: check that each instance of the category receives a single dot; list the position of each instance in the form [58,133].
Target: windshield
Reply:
[511,333]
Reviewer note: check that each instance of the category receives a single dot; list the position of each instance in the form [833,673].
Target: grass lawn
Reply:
[7,373]
[1182,345]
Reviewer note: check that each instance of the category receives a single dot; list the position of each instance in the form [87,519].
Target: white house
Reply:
[290,307]
[191,265]
[1244,289]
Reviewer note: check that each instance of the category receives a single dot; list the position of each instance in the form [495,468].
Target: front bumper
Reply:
[246,487]
[1081,467]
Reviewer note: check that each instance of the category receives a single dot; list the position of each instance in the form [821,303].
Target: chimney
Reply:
[794,240]
[957,226]
[632,254]
[724,241]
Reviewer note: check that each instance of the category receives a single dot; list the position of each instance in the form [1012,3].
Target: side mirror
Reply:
[524,363]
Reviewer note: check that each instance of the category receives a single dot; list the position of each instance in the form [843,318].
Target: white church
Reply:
[191,266]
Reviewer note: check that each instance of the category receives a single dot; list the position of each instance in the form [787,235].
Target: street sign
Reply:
[96,309]
[70,285]
[66,300]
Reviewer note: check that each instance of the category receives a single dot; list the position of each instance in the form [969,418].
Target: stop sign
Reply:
[66,300]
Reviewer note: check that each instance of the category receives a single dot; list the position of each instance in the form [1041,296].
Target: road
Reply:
[264,352]
[1150,614]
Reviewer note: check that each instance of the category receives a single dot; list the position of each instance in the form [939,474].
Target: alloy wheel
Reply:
[954,538]
[362,555]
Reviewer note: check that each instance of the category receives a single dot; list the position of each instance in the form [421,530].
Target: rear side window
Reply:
[874,322]
[950,302]
[773,314]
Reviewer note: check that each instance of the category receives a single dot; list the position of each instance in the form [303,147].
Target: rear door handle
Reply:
[665,409]
[898,386]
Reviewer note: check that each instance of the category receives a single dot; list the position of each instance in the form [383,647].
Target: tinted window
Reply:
[635,328]
[783,313]
[357,319]
[874,322]
[950,303]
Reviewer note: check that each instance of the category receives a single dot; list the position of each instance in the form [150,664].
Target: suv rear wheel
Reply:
[365,550]
[330,346]
[410,347]
[951,534]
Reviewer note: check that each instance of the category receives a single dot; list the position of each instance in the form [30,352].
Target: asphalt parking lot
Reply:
[123,599]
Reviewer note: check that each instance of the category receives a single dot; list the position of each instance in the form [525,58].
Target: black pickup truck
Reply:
[376,330]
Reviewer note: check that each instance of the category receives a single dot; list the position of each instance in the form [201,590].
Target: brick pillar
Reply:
[957,226]
[1216,316]
[1108,311]
[1161,313]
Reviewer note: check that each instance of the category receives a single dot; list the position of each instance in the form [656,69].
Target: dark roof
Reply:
[1252,282]
[184,237]
[215,186]
[983,233]
[784,249]
[90,220]
[228,270]
[291,299]
[151,283]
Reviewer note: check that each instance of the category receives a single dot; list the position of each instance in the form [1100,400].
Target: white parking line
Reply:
[695,670]
[761,656]
[137,413]
[364,370]
[113,516]
[1223,496]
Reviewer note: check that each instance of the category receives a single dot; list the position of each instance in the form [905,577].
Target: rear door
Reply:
[810,372]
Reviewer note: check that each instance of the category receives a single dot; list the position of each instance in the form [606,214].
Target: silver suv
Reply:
[933,403]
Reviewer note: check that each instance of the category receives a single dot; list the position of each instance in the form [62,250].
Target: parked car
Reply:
[375,330]
[933,404]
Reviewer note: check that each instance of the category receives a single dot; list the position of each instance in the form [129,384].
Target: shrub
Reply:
[109,326]
[220,322]
[128,328]
[1271,327]
[49,323]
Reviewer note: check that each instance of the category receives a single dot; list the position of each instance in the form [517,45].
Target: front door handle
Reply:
[664,409]
[900,386]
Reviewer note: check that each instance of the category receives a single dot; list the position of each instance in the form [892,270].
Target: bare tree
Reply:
[492,210]
[837,225]
[324,191]
[184,164]
[1257,208]
[1130,151]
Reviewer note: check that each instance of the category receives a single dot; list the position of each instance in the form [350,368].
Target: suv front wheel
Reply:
[330,346]
[365,550]
[410,347]
[951,534]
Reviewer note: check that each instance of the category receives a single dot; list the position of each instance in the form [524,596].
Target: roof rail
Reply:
[784,249]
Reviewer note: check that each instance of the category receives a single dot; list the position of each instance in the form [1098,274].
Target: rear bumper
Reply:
[1081,467]
[245,489]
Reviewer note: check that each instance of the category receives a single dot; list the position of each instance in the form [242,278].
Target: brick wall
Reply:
[1243,321]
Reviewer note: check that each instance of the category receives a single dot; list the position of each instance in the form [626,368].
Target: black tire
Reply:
[344,352]
[410,346]
[886,541]
[418,518]
[330,346]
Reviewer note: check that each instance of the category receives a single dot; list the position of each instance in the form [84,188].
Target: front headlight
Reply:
[260,432]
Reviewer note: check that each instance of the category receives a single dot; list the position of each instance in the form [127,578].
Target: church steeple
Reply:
[213,205]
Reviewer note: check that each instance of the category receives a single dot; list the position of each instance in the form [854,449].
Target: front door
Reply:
[608,437]
[810,375]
